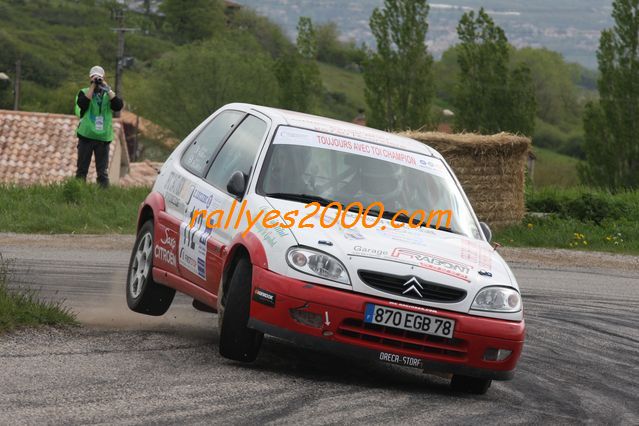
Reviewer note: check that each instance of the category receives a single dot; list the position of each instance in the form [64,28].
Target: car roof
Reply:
[342,128]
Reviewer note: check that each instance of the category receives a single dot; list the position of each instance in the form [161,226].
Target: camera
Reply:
[98,81]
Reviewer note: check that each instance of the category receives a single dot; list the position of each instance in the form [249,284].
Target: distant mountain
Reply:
[571,27]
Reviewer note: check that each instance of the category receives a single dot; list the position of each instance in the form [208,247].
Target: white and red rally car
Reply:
[441,300]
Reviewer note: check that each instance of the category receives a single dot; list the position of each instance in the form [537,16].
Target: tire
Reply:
[237,341]
[143,295]
[472,385]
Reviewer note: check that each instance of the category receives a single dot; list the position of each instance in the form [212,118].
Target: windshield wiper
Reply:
[304,198]
[443,228]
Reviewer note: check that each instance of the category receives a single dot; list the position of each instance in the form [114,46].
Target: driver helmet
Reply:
[381,178]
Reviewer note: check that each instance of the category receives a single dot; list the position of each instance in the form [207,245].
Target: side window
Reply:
[198,155]
[238,153]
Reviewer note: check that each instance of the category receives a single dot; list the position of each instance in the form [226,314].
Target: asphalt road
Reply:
[580,363]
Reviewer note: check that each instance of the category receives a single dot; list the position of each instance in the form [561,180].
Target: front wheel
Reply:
[143,295]
[470,384]
[237,341]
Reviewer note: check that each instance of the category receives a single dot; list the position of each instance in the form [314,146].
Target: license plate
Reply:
[410,321]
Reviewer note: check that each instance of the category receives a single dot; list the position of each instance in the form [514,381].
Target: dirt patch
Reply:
[97,242]
[543,257]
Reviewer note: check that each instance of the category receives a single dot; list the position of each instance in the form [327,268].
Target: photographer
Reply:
[95,106]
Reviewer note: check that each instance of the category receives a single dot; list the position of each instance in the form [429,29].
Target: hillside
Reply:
[200,76]
[571,27]
[58,41]
[552,169]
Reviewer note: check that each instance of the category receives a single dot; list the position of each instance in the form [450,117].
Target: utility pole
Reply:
[16,86]
[119,64]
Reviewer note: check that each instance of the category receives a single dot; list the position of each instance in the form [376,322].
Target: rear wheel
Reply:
[470,384]
[143,295]
[237,341]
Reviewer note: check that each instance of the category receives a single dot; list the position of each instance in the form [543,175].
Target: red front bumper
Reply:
[341,328]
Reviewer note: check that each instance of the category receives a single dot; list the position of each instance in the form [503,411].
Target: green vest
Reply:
[97,121]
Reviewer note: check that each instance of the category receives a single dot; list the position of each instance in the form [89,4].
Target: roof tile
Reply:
[40,148]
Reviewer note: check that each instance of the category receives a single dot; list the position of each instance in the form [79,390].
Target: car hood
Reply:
[430,255]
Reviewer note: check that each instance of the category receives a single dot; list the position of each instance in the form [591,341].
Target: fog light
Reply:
[299,259]
[493,354]
[307,318]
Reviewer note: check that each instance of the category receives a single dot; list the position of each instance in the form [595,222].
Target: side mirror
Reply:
[486,230]
[236,184]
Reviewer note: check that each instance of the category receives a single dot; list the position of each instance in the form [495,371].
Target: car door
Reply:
[239,153]
[186,192]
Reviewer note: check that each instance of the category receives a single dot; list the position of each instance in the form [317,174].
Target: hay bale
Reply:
[491,169]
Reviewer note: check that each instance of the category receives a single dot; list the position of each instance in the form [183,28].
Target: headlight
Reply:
[497,299]
[317,263]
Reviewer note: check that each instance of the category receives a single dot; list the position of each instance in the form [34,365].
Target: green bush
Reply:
[202,77]
[584,204]
[551,137]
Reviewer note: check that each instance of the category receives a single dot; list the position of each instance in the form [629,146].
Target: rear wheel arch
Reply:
[151,206]
[145,214]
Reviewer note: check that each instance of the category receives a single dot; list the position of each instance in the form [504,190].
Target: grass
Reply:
[23,308]
[339,80]
[578,218]
[69,207]
[553,169]
[554,232]
[344,93]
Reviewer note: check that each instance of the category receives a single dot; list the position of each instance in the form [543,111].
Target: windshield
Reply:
[304,164]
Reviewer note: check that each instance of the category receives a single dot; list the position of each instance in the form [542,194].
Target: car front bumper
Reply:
[329,319]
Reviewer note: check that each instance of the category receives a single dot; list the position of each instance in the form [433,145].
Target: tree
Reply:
[306,38]
[332,50]
[611,126]
[297,71]
[191,20]
[399,88]
[555,89]
[189,83]
[266,32]
[490,98]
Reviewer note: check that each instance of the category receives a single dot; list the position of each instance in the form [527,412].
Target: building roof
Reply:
[42,148]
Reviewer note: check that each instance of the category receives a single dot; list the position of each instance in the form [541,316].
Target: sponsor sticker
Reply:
[407,361]
[294,136]
[370,252]
[353,234]
[173,190]
[434,262]
[165,249]
[476,252]
[420,259]
[264,297]
[269,235]
[193,240]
